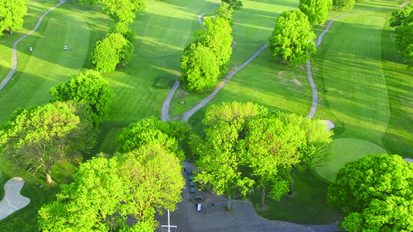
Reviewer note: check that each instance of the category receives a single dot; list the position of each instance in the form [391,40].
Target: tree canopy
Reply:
[112,51]
[152,130]
[120,10]
[343,4]
[11,14]
[200,68]
[402,20]
[42,136]
[316,10]
[246,145]
[105,192]
[88,87]
[375,193]
[235,4]
[292,38]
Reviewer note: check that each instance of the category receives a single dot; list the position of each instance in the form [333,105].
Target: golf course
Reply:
[362,86]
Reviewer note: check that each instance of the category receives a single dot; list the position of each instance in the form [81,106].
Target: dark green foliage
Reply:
[343,4]
[11,14]
[402,20]
[88,87]
[292,38]
[112,51]
[200,68]
[152,130]
[235,4]
[400,15]
[376,193]
[316,10]
[39,137]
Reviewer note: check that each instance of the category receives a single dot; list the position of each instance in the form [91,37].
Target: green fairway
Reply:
[162,32]
[264,80]
[342,151]
[49,64]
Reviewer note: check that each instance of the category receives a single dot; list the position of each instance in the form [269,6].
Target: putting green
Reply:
[342,151]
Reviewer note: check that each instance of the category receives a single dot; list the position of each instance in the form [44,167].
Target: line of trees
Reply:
[206,58]
[402,21]
[375,193]
[143,178]
[248,147]
[11,15]
[117,48]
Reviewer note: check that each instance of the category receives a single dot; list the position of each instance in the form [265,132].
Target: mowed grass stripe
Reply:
[354,84]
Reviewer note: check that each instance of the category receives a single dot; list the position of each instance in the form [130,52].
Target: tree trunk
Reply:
[229,203]
[49,179]
[292,184]
[262,204]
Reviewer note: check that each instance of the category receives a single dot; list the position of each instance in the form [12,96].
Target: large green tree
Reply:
[277,144]
[112,51]
[120,10]
[292,38]
[375,193]
[40,137]
[400,15]
[87,87]
[224,10]
[11,14]
[152,130]
[90,202]
[221,160]
[217,37]
[200,67]
[235,4]
[316,10]
[402,20]
[154,178]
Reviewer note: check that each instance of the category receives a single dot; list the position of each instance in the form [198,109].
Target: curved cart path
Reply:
[12,200]
[14,53]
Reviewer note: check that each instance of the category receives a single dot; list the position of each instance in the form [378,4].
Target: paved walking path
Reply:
[12,200]
[14,53]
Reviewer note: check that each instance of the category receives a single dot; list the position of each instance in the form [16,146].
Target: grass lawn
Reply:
[264,80]
[345,150]
[307,206]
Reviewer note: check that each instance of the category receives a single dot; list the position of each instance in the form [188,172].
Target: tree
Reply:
[111,51]
[376,193]
[400,15]
[225,11]
[217,37]
[152,130]
[316,10]
[235,4]
[153,176]
[292,38]
[120,10]
[200,68]
[42,136]
[90,203]
[87,87]
[123,29]
[11,14]
[343,4]
[277,144]
[220,160]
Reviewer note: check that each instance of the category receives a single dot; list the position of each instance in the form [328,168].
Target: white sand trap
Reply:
[330,125]
[12,200]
